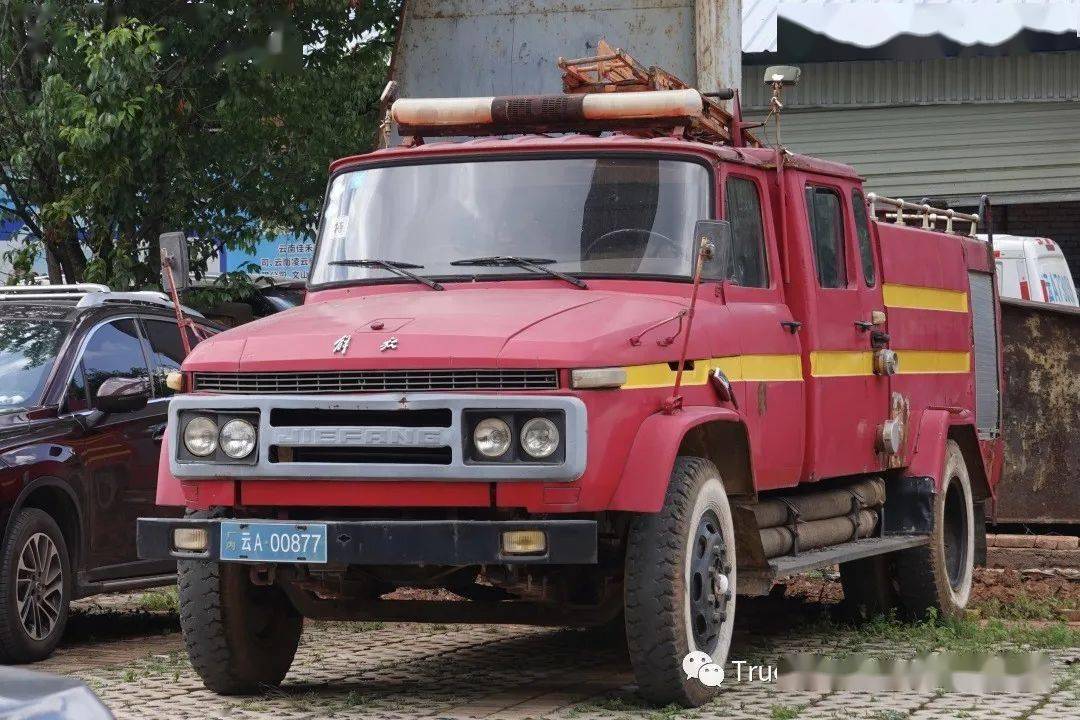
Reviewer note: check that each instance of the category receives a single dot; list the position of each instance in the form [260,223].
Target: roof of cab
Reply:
[756,157]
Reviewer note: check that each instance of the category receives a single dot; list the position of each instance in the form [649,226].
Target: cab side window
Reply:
[862,229]
[825,212]
[114,350]
[167,351]
[748,265]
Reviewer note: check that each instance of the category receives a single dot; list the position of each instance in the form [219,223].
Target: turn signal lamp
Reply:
[524,542]
[190,539]
[174,381]
[597,378]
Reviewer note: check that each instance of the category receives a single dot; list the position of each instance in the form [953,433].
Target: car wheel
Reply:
[240,637]
[680,585]
[938,576]
[35,587]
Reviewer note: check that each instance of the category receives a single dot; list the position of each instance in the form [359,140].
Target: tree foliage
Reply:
[121,120]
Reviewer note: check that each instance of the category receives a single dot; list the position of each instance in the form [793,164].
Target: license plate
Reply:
[273,542]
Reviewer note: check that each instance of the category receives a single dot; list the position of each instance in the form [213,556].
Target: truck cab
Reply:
[585,380]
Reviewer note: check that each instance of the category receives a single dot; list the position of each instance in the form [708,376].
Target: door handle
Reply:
[864,325]
[792,326]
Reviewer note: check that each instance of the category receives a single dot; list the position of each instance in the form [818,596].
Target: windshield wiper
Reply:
[394,266]
[529,263]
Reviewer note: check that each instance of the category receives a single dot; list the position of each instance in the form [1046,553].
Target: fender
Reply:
[648,466]
[50,481]
[928,454]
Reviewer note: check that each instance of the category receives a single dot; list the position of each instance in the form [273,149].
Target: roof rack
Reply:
[612,70]
[87,294]
[931,216]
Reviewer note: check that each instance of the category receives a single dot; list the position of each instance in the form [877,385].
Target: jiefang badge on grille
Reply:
[388,344]
[341,345]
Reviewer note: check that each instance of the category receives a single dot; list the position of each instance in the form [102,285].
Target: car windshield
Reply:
[27,351]
[584,216]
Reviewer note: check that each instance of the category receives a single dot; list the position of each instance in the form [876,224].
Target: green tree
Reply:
[120,120]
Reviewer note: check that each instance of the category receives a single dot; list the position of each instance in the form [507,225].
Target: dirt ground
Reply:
[1008,594]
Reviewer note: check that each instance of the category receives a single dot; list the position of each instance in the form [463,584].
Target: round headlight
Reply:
[539,438]
[237,438]
[492,437]
[200,436]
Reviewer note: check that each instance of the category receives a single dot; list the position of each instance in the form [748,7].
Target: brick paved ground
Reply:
[369,670]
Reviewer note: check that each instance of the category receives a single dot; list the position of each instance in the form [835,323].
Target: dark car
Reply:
[83,402]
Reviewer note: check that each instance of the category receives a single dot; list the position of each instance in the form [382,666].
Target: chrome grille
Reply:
[376,381]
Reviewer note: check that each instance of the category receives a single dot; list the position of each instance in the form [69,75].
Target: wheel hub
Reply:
[710,588]
[39,586]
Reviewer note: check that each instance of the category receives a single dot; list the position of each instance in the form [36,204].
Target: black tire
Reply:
[938,576]
[240,637]
[666,601]
[34,599]
[869,586]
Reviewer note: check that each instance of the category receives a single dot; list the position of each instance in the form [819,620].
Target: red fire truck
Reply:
[617,375]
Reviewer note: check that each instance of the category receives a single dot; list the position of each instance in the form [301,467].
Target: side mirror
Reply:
[714,234]
[123,394]
[175,257]
[786,75]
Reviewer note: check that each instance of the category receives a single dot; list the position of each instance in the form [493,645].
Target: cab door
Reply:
[768,373]
[847,401]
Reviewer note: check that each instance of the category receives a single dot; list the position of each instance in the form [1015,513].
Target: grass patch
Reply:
[965,634]
[159,601]
[1026,607]
[785,712]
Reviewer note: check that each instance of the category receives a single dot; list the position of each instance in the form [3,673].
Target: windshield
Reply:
[598,216]
[27,351]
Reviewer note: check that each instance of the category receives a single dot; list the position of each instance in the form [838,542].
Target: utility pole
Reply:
[718,39]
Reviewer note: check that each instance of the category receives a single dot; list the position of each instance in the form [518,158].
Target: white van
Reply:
[1032,268]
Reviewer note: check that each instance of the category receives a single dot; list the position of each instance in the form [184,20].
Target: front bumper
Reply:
[401,542]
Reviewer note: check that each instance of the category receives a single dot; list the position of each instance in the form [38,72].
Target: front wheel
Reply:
[240,637]
[35,587]
[680,588]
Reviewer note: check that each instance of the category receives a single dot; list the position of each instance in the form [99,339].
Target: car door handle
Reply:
[792,326]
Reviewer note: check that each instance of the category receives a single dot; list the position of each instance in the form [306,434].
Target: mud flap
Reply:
[909,505]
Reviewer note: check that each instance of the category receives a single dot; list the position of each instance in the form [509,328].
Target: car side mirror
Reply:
[714,234]
[175,257]
[123,394]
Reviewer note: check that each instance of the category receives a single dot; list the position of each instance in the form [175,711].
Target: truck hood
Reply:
[461,327]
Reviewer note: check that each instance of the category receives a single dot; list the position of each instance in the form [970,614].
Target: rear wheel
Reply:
[240,637]
[938,576]
[680,585]
[35,587]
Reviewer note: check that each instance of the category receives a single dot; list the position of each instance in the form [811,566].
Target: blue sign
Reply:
[286,257]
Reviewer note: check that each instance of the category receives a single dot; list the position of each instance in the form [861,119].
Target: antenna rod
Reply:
[674,403]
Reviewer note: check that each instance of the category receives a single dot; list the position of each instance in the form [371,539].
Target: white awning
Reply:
[868,23]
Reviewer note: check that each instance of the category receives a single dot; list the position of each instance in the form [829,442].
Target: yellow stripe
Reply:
[924,298]
[779,368]
[736,367]
[761,368]
[921,362]
[841,363]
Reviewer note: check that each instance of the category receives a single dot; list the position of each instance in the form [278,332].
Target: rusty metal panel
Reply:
[1040,482]
[451,48]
